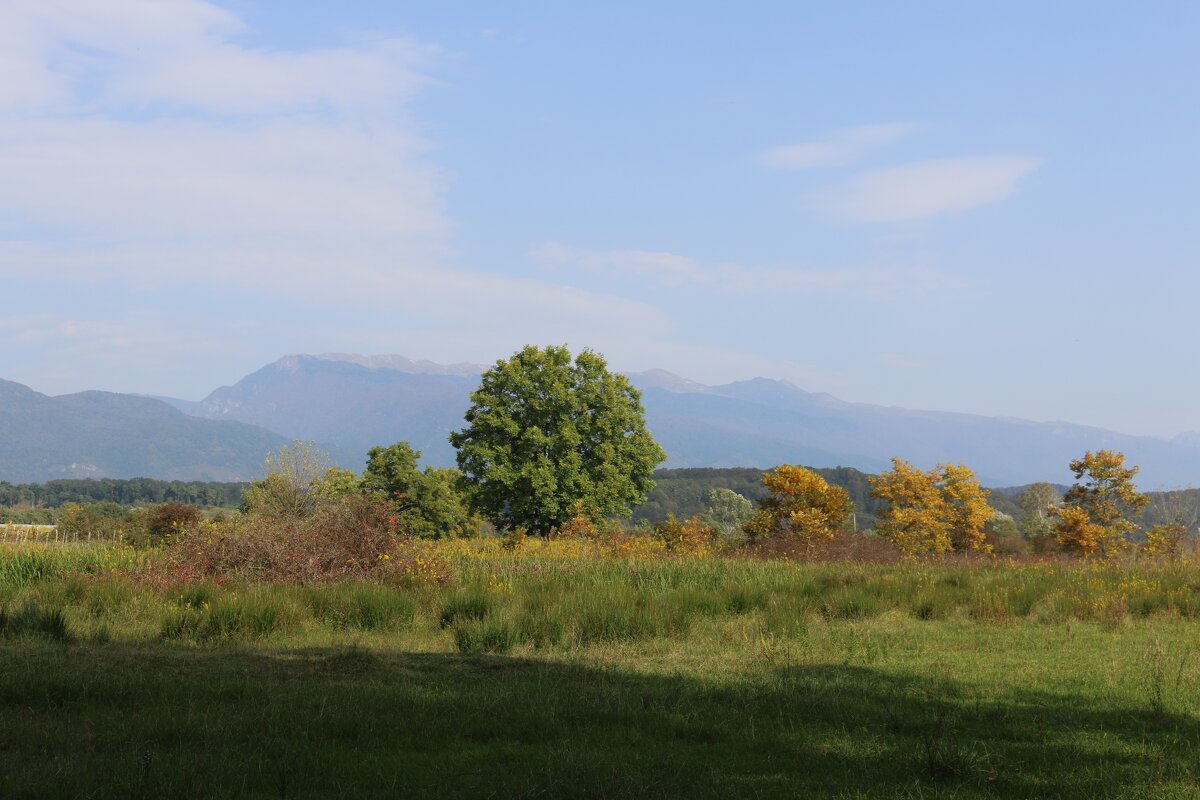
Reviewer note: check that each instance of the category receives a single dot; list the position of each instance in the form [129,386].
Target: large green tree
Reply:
[548,436]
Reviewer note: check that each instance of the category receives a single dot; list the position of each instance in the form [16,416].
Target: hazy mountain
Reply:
[772,419]
[346,402]
[402,364]
[101,434]
[357,402]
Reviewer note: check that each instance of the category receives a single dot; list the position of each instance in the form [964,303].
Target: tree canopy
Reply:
[1096,511]
[548,436]
[932,511]
[802,503]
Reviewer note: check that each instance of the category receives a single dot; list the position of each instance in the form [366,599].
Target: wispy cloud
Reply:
[146,131]
[843,147]
[929,188]
[147,143]
[185,54]
[674,270]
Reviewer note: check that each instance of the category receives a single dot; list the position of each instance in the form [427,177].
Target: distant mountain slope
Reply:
[100,434]
[357,402]
[760,420]
[349,404]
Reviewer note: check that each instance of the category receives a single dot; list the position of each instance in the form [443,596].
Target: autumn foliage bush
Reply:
[352,539]
[687,537]
[169,519]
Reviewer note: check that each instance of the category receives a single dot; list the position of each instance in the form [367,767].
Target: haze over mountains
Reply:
[350,403]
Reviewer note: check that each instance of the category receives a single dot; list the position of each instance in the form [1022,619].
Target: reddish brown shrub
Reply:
[172,518]
[352,539]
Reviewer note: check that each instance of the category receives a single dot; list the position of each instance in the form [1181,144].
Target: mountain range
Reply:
[102,434]
[350,403]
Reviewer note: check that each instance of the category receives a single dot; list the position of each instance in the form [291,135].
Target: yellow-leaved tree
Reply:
[932,511]
[800,502]
[967,509]
[1095,514]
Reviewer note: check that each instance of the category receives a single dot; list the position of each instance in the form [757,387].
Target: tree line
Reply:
[123,492]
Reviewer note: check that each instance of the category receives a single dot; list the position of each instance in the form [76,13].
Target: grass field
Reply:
[554,673]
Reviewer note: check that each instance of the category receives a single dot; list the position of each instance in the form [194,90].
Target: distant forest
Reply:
[681,492]
[129,492]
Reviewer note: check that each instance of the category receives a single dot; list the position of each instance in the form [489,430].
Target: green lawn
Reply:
[112,689]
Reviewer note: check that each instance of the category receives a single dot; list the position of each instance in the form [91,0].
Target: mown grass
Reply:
[540,674]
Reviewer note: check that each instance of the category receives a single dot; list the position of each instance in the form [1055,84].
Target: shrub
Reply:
[429,503]
[513,539]
[347,540]
[169,519]
[690,537]
[579,526]
[1165,540]
[102,520]
[1096,512]
[1004,536]
[727,512]
[932,511]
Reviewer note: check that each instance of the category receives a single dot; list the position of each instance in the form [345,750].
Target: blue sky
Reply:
[980,207]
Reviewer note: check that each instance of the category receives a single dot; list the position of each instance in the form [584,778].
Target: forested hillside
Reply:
[682,492]
[125,492]
[107,435]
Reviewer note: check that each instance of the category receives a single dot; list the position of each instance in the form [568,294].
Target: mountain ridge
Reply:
[759,422]
[350,403]
[108,434]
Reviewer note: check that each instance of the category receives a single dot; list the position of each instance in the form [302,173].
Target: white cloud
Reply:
[265,201]
[184,54]
[143,131]
[142,141]
[843,147]
[675,271]
[929,188]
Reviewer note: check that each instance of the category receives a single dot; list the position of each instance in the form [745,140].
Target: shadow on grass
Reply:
[124,721]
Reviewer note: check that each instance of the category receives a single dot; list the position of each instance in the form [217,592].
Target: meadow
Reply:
[560,670]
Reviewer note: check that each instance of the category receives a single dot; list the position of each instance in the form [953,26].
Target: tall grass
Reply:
[492,600]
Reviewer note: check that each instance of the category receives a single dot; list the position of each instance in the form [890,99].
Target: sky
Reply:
[978,207]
